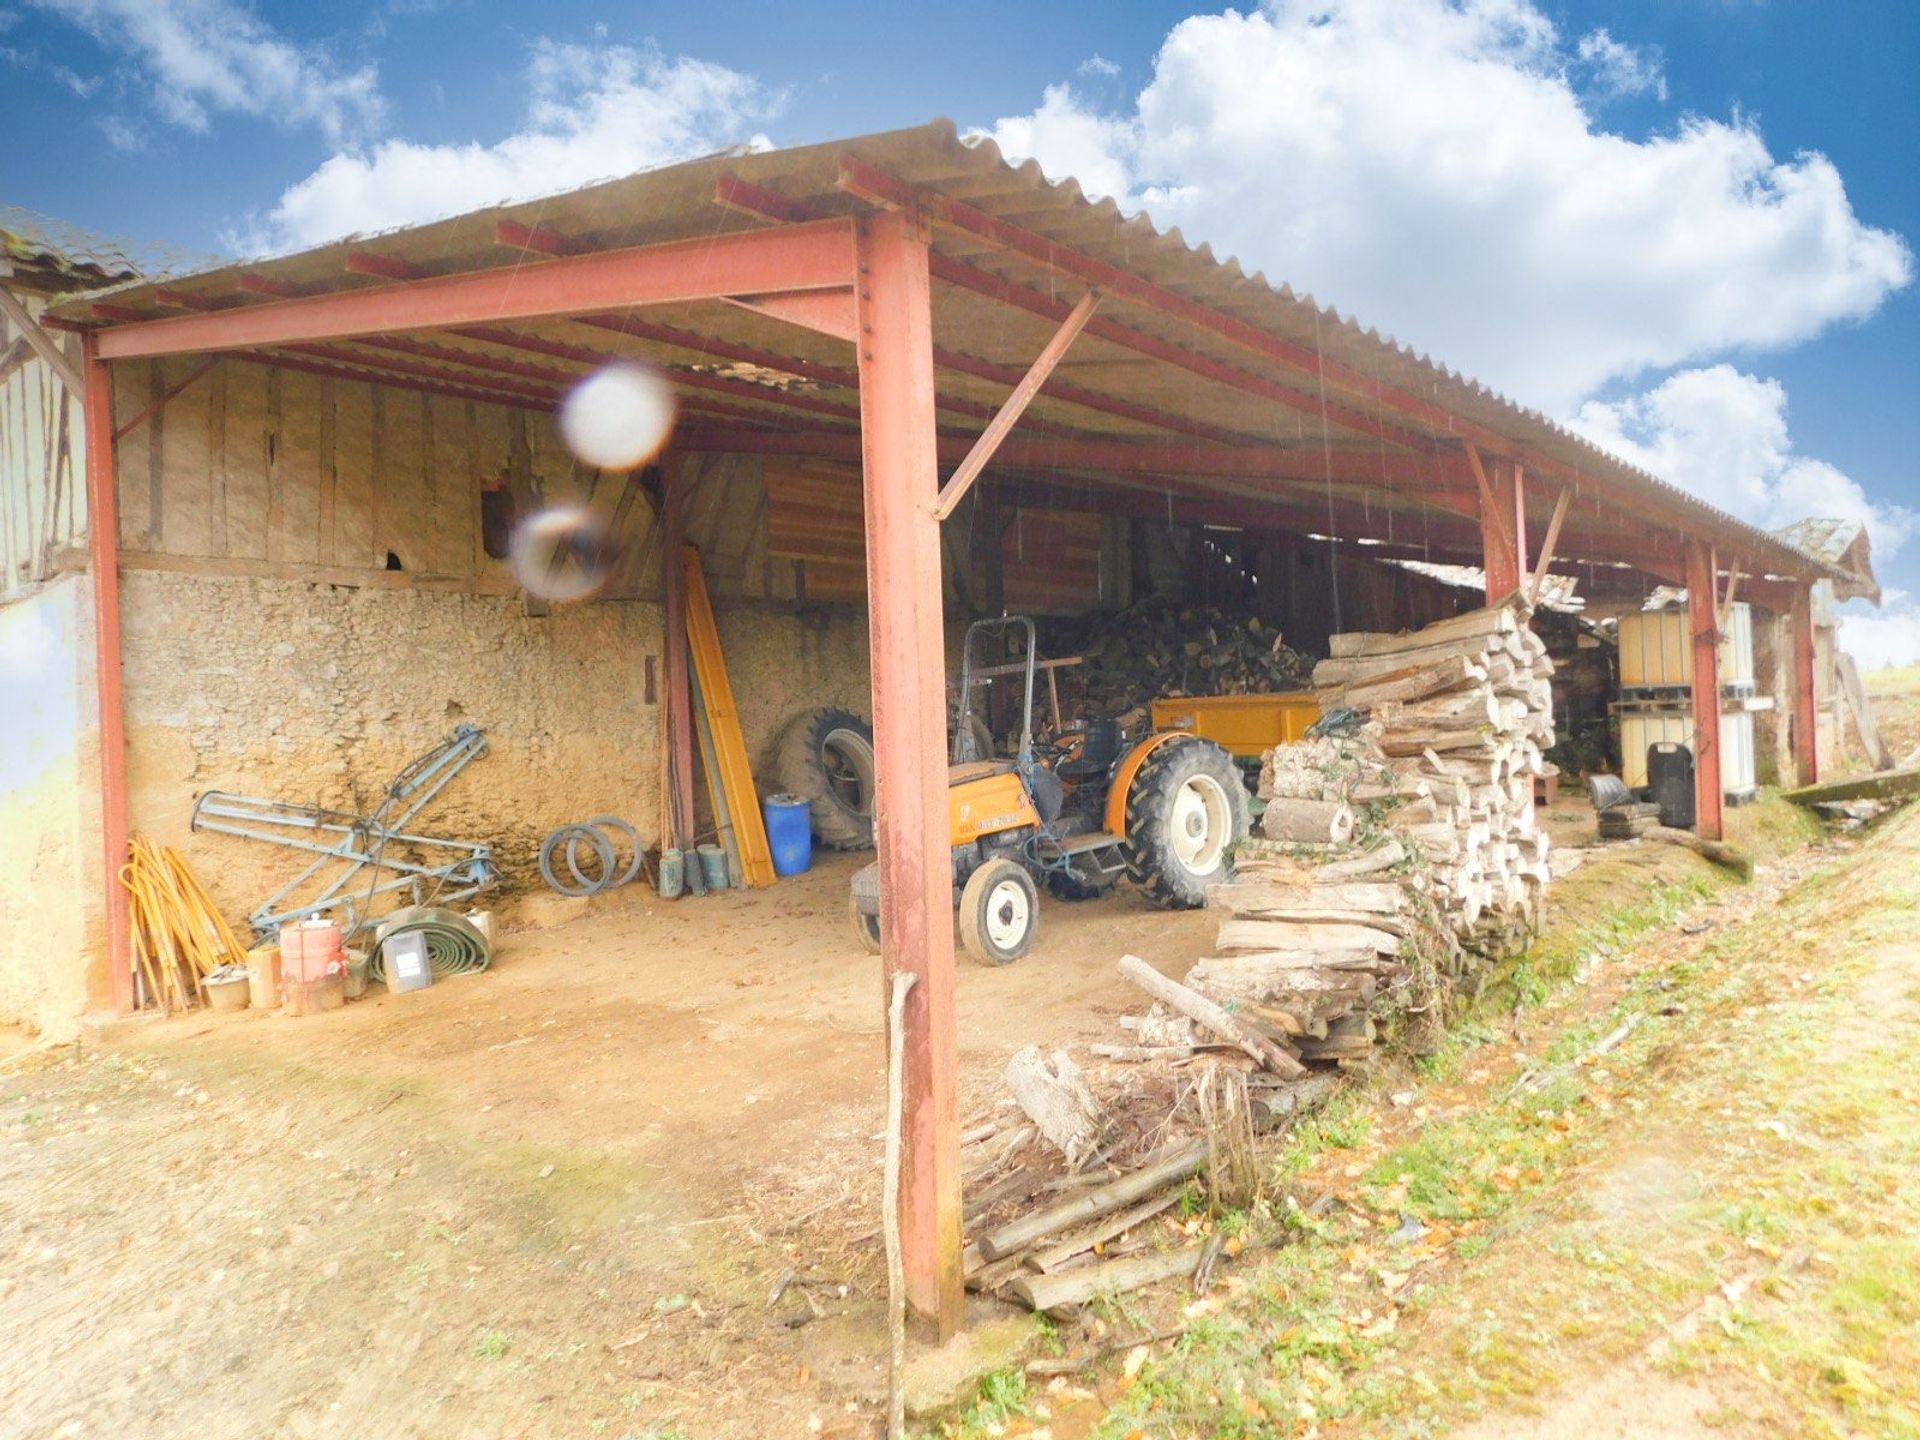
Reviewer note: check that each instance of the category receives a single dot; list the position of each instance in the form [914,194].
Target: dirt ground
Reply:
[554,1200]
[551,1200]
[1895,695]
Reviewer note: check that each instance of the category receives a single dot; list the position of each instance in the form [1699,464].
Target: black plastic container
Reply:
[1670,783]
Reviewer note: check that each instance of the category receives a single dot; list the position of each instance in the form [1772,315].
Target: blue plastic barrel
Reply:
[789,833]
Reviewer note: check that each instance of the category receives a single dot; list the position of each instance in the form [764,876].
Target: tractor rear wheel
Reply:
[1186,810]
[825,757]
[999,913]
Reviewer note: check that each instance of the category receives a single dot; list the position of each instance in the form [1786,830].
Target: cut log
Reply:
[1241,936]
[1384,857]
[1323,822]
[1717,851]
[1501,619]
[1208,1015]
[1056,1255]
[1415,683]
[1257,900]
[1029,1230]
[1115,1277]
[1055,1096]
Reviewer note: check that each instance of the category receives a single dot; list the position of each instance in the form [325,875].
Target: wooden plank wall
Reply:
[43,502]
[255,470]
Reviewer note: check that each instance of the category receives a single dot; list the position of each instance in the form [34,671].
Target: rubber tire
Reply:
[866,928]
[973,912]
[1152,866]
[800,768]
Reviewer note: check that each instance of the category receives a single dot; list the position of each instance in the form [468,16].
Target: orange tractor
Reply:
[1075,814]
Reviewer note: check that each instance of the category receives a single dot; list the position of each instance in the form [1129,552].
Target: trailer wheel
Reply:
[999,913]
[826,757]
[1186,810]
[866,928]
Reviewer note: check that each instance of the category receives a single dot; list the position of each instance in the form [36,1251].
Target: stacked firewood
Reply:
[1460,713]
[1163,648]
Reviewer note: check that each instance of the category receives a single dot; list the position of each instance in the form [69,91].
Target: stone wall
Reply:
[320,693]
[52,921]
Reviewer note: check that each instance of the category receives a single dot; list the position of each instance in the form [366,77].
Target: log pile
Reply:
[1392,854]
[1163,648]
[1460,713]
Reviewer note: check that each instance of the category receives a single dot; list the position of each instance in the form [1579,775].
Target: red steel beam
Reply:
[877,187]
[756,200]
[1704,615]
[1503,526]
[1805,733]
[1001,425]
[490,387]
[103,544]
[381,267]
[797,257]
[908,643]
[266,285]
[538,238]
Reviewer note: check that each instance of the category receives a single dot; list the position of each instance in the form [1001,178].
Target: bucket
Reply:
[713,866]
[310,997]
[673,874]
[789,833]
[227,989]
[356,974]
[311,950]
[263,977]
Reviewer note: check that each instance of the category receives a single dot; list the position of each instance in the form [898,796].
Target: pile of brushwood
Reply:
[1162,647]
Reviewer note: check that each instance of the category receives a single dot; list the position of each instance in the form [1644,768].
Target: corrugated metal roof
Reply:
[51,256]
[1843,544]
[1626,505]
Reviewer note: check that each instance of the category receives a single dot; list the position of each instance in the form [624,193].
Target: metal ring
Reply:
[602,851]
[614,822]
[552,843]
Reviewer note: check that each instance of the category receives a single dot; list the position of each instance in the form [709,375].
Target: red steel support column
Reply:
[1806,718]
[679,710]
[1703,610]
[893,300]
[103,541]
[1503,531]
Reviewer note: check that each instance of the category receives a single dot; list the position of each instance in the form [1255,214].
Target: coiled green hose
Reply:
[455,945]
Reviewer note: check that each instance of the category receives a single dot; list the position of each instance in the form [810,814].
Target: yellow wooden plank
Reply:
[723,719]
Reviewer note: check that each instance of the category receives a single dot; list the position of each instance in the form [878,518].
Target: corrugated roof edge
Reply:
[983,152]
[1372,335]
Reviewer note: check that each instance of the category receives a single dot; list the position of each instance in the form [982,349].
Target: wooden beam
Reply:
[43,344]
[103,544]
[1014,407]
[1804,736]
[1547,547]
[795,257]
[1708,796]
[155,407]
[906,634]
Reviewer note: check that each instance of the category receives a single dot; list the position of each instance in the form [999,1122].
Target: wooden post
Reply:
[1503,528]
[1704,613]
[907,640]
[1806,720]
[103,543]
[679,710]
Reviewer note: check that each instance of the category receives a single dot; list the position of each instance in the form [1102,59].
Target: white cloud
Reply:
[1098,64]
[1888,636]
[1432,162]
[204,57]
[595,112]
[1723,435]
[1621,70]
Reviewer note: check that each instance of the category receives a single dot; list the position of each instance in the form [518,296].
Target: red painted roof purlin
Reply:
[1364,433]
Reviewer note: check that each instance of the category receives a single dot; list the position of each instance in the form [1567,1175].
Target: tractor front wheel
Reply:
[1186,810]
[999,913]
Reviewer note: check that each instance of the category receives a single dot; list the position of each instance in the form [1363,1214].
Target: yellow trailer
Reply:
[1247,726]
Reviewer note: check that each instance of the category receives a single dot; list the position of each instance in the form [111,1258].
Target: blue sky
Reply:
[207,124]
